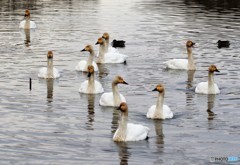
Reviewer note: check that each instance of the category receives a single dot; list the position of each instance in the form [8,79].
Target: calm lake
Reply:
[55,124]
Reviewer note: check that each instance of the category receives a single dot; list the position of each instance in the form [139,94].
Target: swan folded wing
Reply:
[151,111]
[112,50]
[202,88]
[83,87]
[98,87]
[136,132]
[42,73]
[56,73]
[81,66]
[167,113]
[22,25]
[107,99]
[177,64]
[32,25]
[115,58]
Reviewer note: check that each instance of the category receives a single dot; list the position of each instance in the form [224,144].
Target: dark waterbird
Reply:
[118,43]
[223,44]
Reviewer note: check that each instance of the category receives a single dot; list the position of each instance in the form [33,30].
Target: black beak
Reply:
[124,82]
[118,108]
[155,89]
[89,74]
[96,43]
[217,70]
[83,50]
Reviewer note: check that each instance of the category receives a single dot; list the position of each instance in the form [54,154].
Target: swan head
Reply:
[88,48]
[190,44]
[159,88]
[27,13]
[213,68]
[119,80]
[90,70]
[105,36]
[50,55]
[123,107]
[100,41]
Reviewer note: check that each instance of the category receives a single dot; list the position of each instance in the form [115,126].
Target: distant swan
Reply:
[83,64]
[159,111]
[184,64]
[208,87]
[27,23]
[105,56]
[91,86]
[113,98]
[128,131]
[49,71]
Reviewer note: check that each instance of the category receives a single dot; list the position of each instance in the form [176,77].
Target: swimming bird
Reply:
[27,23]
[183,64]
[208,87]
[113,98]
[160,110]
[108,57]
[118,43]
[91,86]
[49,71]
[223,44]
[83,64]
[129,131]
[109,49]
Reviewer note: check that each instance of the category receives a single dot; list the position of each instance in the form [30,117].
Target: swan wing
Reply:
[202,88]
[106,99]
[115,58]
[33,25]
[81,66]
[136,132]
[167,113]
[177,64]
[151,111]
[98,87]
[83,87]
[56,73]
[42,72]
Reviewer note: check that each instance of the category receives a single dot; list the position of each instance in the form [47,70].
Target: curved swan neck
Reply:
[121,134]
[91,83]
[27,23]
[90,58]
[107,43]
[191,65]
[116,95]
[159,106]
[211,82]
[102,51]
[50,68]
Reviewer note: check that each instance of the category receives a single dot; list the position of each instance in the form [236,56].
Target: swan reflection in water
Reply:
[210,105]
[50,83]
[27,35]
[189,91]
[91,112]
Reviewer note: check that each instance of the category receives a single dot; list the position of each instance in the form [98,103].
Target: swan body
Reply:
[160,111]
[91,86]
[49,71]
[109,54]
[27,23]
[208,87]
[129,131]
[114,98]
[83,64]
[183,64]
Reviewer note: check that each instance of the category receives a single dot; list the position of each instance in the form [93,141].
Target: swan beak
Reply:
[97,43]
[217,70]
[124,82]
[155,89]
[89,74]
[83,50]
[118,108]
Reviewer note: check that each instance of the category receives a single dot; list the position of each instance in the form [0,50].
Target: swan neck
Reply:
[90,59]
[107,44]
[91,83]
[210,82]
[159,106]
[27,23]
[116,95]
[50,68]
[101,55]
[122,132]
[191,65]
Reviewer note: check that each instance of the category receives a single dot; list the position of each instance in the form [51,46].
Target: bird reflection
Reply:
[210,104]
[159,131]
[103,72]
[115,120]
[50,83]
[189,82]
[123,153]
[91,113]
[27,37]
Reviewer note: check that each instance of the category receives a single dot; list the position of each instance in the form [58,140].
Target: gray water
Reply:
[54,124]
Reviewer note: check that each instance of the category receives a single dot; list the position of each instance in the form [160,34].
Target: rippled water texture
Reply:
[54,124]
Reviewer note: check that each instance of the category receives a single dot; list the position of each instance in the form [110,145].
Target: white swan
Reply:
[27,23]
[113,98]
[109,48]
[160,111]
[83,64]
[91,86]
[184,64]
[208,87]
[108,57]
[49,71]
[128,131]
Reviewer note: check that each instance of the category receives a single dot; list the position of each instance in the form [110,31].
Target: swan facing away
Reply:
[49,71]
[106,56]
[27,23]
[183,64]
[91,86]
[114,98]
[129,131]
[83,64]
[159,111]
[208,87]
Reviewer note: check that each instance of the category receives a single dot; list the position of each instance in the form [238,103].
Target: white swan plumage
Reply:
[160,111]
[114,98]
[83,64]
[27,23]
[209,87]
[109,48]
[183,64]
[104,56]
[49,71]
[91,86]
[129,131]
